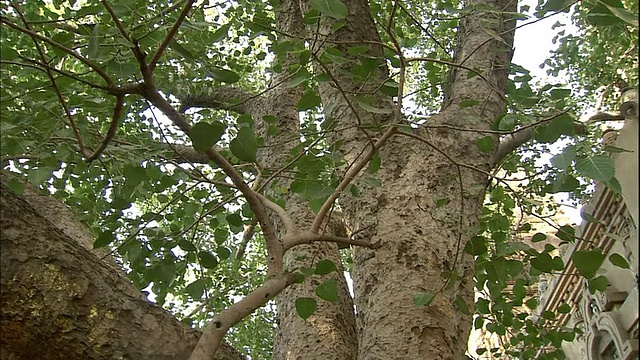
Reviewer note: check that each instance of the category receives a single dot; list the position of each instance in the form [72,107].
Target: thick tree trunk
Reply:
[330,332]
[428,205]
[61,301]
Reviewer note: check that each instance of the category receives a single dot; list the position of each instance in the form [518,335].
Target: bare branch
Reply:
[115,119]
[308,237]
[512,141]
[223,98]
[214,332]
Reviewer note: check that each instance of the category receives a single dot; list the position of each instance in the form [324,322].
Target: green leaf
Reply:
[299,77]
[94,42]
[619,261]
[468,103]
[557,5]
[305,307]
[15,186]
[587,262]
[561,125]
[181,50]
[567,233]
[223,252]
[598,167]
[558,94]
[328,290]
[223,75]
[477,245]
[221,33]
[389,88]
[105,238]
[372,181]
[615,150]
[374,163]
[423,298]
[614,185]
[564,160]
[308,100]
[245,145]
[485,144]
[482,306]
[204,135]
[507,123]
[365,103]
[599,283]
[461,305]
[207,260]
[624,15]
[186,245]
[332,8]
[234,219]
[324,267]
[538,237]
[564,308]
[588,217]
[441,202]
[543,262]
[196,288]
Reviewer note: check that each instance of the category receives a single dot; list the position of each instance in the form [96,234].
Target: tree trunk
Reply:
[428,205]
[61,301]
[333,324]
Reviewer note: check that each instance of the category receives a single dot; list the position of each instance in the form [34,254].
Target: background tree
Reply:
[226,151]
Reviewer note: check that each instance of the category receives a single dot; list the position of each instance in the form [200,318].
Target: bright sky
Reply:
[533,42]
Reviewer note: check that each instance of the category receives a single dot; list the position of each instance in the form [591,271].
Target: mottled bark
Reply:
[420,239]
[330,332]
[60,300]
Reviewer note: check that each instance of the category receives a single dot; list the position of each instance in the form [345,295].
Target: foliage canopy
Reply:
[76,124]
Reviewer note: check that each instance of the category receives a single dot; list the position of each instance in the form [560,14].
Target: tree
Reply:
[291,118]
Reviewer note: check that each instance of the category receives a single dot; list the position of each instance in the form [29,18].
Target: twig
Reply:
[348,177]
[172,33]
[116,20]
[249,230]
[45,39]
[83,150]
[117,110]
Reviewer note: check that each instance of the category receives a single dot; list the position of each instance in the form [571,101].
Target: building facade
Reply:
[608,320]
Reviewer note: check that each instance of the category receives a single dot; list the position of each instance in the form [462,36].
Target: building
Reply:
[608,320]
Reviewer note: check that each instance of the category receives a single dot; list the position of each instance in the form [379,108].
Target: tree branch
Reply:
[348,177]
[308,237]
[289,226]
[513,141]
[274,249]
[115,119]
[45,39]
[223,98]
[217,328]
[89,297]
[172,33]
